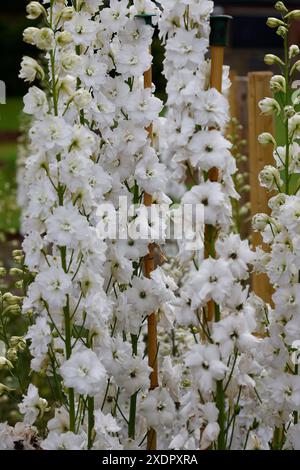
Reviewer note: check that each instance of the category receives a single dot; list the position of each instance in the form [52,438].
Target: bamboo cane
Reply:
[218,41]
[149,266]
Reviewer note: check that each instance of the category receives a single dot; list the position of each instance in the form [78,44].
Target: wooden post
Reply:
[149,266]
[218,41]
[152,320]
[259,156]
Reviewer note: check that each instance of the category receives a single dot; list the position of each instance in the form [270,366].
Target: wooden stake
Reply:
[218,41]
[217,58]
[152,320]
[259,156]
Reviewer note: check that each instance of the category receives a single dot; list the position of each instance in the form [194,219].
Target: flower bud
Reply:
[260,221]
[276,202]
[295,67]
[289,112]
[82,98]
[293,51]
[277,83]
[2,271]
[68,85]
[280,6]
[266,138]
[30,69]
[67,14]
[269,106]
[282,31]
[293,15]
[29,35]
[64,38]
[271,59]
[45,39]
[19,284]
[11,299]
[34,10]
[274,22]
[18,342]
[4,362]
[12,354]
[5,388]
[294,126]
[15,272]
[269,177]
[17,253]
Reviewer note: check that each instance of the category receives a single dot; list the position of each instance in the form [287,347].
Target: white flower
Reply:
[212,281]
[32,405]
[105,423]
[53,284]
[60,422]
[66,227]
[115,17]
[132,60]
[206,366]
[35,102]
[81,27]
[84,372]
[209,150]
[269,177]
[143,107]
[233,332]
[141,296]
[212,197]
[237,253]
[40,336]
[64,441]
[149,173]
[44,39]
[30,69]
[158,408]
[135,375]
[185,47]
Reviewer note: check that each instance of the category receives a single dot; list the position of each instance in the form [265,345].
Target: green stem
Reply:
[133,399]
[68,348]
[220,402]
[91,421]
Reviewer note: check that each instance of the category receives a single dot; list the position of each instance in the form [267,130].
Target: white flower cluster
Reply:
[280,257]
[88,145]
[227,363]
[214,300]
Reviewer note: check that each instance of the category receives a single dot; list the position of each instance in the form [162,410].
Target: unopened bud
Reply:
[67,14]
[274,22]
[271,59]
[266,138]
[293,15]
[64,38]
[34,10]
[282,31]
[12,354]
[15,272]
[4,362]
[5,388]
[293,51]
[280,6]
[260,221]
[277,83]
[289,112]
